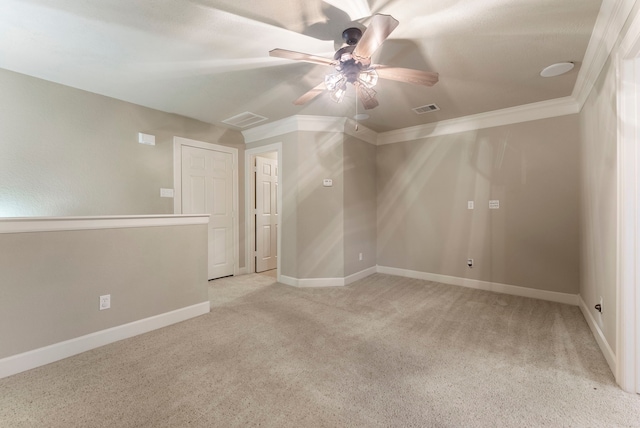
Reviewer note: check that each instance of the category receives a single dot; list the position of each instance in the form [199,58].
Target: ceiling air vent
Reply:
[426,109]
[245,119]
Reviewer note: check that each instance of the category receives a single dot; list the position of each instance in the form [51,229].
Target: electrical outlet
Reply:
[105,301]
[470,263]
[360,257]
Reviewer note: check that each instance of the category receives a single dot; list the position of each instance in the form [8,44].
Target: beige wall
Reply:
[67,152]
[360,202]
[320,210]
[598,204]
[51,281]
[325,228]
[531,168]
[598,135]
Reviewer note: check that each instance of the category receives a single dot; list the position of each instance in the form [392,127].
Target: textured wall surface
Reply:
[360,202]
[530,241]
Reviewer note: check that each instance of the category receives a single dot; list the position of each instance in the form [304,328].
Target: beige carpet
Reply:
[385,351]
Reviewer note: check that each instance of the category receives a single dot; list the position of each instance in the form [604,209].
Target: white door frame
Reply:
[628,229]
[249,184]
[178,142]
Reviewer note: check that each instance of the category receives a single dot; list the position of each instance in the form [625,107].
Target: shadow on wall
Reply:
[531,240]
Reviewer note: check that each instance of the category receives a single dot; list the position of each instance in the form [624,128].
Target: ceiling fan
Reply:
[353,65]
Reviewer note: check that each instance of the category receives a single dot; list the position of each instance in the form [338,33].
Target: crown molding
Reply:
[507,116]
[606,32]
[271,129]
[360,132]
[309,123]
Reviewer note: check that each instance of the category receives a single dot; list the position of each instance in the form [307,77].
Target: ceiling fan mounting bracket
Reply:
[351,36]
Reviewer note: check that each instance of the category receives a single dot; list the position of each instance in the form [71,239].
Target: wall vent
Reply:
[426,109]
[245,119]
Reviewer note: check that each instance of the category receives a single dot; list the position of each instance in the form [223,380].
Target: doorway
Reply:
[205,182]
[265,219]
[263,175]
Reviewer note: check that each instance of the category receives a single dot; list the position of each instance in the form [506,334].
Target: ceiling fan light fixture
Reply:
[333,81]
[368,78]
[557,69]
[338,93]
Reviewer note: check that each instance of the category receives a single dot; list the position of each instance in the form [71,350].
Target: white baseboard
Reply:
[553,296]
[360,275]
[599,335]
[326,282]
[58,351]
[311,282]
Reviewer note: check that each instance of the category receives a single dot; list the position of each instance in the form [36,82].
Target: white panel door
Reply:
[207,188]
[266,214]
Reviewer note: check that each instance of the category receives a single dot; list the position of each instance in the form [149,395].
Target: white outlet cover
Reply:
[494,204]
[327,182]
[470,205]
[105,302]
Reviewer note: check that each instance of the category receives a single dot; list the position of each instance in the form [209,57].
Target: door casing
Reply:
[178,142]
[250,194]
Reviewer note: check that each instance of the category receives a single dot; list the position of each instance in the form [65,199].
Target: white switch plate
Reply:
[494,204]
[327,182]
[166,193]
[469,205]
[149,140]
[105,301]
[360,257]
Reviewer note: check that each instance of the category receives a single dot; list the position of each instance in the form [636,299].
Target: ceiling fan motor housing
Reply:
[351,36]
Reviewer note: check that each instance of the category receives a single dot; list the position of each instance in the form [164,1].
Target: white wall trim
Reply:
[362,133]
[58,351]
[599,335]
[309,123]
[55,224]
[249,192]
[178,142]
[606,31]
[360,275]
[326,282]
[507,116]
[311,282]
[552,296]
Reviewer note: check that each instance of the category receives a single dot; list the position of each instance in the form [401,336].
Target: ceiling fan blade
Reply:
[298,56]
[310,95]
[408,75]
[367,96]
[377,32]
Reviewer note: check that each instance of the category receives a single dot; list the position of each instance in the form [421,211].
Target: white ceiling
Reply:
[208,59]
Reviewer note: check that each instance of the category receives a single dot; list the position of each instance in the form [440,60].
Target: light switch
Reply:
[494,204]
[148,139]
[469,205]
[166,193]
[327,182]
